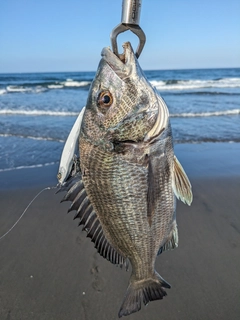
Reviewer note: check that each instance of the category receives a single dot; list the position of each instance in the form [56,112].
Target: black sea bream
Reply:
[125,191]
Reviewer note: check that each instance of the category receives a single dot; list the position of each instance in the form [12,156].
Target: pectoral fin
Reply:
[181,184]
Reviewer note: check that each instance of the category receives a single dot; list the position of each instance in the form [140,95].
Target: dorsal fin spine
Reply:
[82,208]
[96,233]
[98,240]
[85,214]
[93,228]
[102,247]
[89,219]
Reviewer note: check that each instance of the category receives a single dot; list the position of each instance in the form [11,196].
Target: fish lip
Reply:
[120,65]
[111,58]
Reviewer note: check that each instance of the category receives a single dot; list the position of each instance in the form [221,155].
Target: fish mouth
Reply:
[122,65]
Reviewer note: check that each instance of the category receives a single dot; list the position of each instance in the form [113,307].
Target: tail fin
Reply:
[144,290]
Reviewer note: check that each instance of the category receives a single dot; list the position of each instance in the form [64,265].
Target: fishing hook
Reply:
[131,10]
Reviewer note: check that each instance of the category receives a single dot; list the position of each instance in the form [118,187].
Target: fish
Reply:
[125,189]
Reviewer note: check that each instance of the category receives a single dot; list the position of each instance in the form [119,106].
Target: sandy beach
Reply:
[49,270]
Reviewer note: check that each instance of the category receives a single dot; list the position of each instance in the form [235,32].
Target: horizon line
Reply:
[205,68]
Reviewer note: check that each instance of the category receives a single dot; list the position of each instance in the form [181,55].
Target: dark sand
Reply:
[50,270]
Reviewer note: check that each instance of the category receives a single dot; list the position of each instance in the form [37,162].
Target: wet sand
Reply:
[50,270]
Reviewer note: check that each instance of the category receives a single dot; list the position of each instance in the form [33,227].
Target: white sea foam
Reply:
[206,114]
[159,84]
[71,83]
[196,84]
[29,167]
[55,86]
[38,113]
[6,135]
[22,89]
[18,89]
[64,114]
[41,88]
[73,114]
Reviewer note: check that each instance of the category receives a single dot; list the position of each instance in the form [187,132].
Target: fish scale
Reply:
[120,200]
[111,195]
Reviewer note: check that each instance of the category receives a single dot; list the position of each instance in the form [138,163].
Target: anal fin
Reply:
[172,241]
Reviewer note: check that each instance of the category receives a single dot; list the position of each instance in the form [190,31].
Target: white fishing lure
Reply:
[67,157]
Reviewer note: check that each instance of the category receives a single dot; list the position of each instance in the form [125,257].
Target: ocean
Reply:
[37,110]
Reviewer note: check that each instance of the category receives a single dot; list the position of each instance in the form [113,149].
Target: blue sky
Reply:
[68,35]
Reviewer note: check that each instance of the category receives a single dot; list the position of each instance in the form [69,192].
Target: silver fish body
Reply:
[125,193]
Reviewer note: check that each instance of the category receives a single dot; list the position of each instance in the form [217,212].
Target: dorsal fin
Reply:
[76,193]
[181,184]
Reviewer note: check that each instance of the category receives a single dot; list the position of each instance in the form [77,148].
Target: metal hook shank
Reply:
[131,10]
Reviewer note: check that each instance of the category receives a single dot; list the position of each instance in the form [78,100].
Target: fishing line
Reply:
[47,188]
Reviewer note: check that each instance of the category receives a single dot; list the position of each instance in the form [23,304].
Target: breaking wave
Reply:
[72,83]
[178,85]
[74,114]
[206,114]
[29,167]
[195,84]
[206,140]
[38,113]
[2,91]
[6,135]
[44,86]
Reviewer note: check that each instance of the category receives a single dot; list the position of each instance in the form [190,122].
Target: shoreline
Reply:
[198,160]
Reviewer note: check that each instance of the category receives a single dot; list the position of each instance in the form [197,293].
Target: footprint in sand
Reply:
[97,283]
[79,240]
[85,306]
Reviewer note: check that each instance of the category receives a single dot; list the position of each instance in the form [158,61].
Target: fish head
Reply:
[122,105]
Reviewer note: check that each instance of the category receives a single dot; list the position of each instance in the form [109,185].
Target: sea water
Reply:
[37,110]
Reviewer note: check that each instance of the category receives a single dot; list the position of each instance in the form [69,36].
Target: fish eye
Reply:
[105,99]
